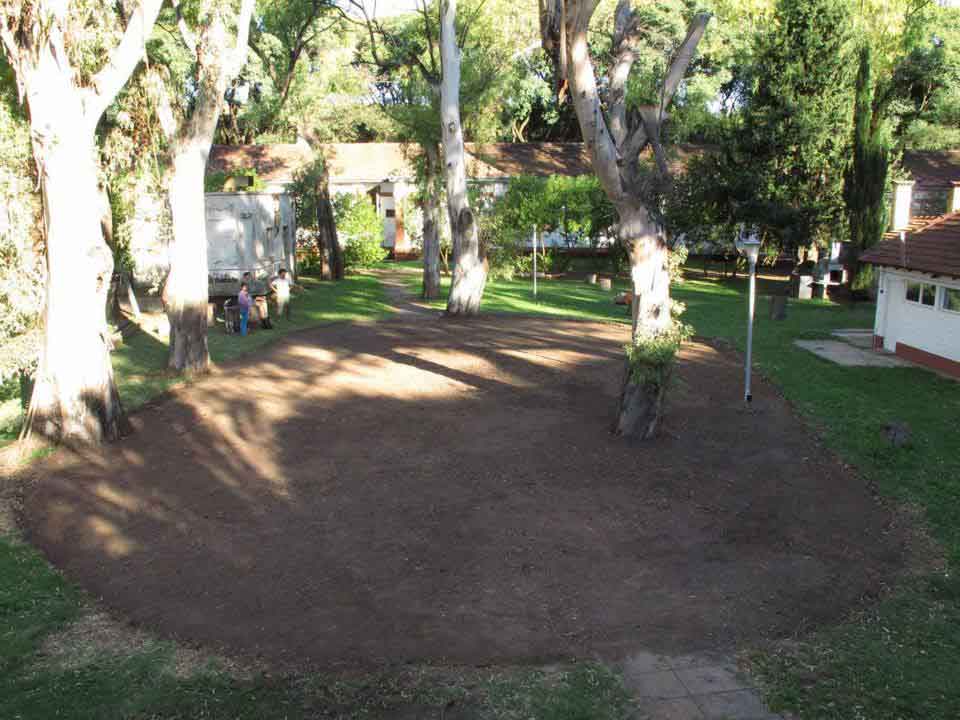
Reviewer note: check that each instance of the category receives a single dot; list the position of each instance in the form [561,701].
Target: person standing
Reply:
[281,286]
[243,300]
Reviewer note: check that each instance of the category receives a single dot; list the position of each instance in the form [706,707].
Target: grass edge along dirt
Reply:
[143,681]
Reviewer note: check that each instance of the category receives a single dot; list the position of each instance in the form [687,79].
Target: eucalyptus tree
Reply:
[189,126]
[615,131]
[420,78]
[70,63]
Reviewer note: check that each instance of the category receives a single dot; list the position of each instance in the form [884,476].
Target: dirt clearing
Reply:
[449,492]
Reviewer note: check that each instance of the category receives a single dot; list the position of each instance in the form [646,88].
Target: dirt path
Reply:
[448,492]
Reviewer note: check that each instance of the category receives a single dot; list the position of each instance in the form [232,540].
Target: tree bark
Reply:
[186,292]
[469,268]
[327,231]
[431,226]
[75,398]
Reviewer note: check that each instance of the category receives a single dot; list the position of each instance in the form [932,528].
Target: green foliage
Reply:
[360,230]
[794,140]
[21,250]
[217,181]
[576,206]
[651,357]
[866,180]
[305,191]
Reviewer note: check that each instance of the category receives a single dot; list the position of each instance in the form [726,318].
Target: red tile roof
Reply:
[375,162]
[934,248]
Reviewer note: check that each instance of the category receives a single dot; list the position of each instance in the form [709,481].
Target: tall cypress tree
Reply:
[796,131]
[867,176]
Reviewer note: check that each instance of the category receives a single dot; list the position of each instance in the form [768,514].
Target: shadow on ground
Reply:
[448,492]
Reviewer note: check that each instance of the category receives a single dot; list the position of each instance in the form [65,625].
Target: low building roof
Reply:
[933,248]
[376,162]
[933,170]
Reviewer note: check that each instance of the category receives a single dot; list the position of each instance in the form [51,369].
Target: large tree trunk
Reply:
[327,232]
[469,268]
[186,292]
[431,227]
[75,397]
[641,399]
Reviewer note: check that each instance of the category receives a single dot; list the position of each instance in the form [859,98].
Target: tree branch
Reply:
[123,60]
[682,59]
[189,39]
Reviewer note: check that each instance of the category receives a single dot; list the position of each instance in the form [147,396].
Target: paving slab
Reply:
[736,705]
[704,680]
[843,353]
[662,685]
[676,709]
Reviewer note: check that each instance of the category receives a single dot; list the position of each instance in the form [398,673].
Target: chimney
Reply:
[900,207]
[953,199]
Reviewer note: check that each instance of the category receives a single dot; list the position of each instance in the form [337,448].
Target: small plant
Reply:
[651,357]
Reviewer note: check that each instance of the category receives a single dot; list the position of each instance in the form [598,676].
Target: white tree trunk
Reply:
[75,397]
[469,269]
[185,293]
[649,270]
[431,227]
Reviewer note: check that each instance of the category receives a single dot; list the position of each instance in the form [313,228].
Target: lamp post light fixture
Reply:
[748,244]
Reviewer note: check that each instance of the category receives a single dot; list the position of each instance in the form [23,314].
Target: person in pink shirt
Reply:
[244,301]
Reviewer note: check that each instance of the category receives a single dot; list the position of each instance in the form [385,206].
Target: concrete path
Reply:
[691,687]
[843,353]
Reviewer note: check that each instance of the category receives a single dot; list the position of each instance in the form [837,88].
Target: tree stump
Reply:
[606,283]
[778,307]
[591,278]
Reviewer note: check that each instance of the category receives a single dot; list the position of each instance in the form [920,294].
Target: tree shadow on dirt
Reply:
[450,493]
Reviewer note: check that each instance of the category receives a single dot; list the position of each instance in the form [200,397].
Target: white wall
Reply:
[931,329]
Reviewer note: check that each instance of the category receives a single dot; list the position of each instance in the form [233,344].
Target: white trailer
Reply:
[248,232]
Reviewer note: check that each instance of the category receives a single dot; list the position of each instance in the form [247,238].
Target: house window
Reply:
[922,293]
[951,300]
[391,213]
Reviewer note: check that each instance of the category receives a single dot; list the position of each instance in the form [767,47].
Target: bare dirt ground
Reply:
[449,492]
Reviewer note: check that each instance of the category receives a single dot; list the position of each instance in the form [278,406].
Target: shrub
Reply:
[360,230]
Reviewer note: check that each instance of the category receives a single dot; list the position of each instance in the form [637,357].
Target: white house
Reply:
[918,302]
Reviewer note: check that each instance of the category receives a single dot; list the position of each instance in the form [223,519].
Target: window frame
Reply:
[919,301]
[943,300]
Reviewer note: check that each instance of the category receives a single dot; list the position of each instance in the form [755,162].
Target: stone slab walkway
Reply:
[843,353]
[691,687]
